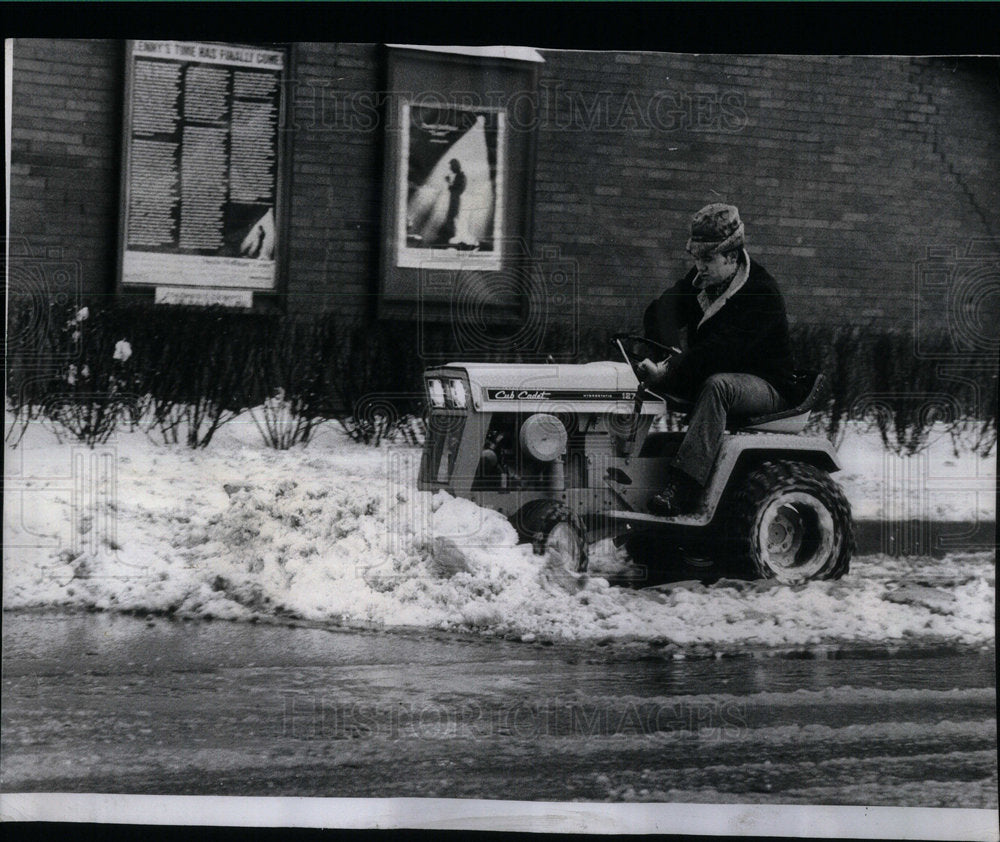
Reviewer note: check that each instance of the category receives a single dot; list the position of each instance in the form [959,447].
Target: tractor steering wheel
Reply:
[623,342]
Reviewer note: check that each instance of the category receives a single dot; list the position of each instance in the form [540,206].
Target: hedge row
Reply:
[181,373]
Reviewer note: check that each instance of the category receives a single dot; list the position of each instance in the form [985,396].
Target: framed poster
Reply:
[450,192]
[202,170]
[458,173]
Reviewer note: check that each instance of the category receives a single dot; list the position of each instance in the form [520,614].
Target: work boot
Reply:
[679,496]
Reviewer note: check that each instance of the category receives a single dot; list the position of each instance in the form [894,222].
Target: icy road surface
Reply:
[110,703]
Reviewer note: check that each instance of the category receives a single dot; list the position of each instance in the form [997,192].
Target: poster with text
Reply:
[202,177]
[451,187]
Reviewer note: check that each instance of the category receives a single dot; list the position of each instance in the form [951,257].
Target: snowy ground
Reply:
[337,533]
[935,484]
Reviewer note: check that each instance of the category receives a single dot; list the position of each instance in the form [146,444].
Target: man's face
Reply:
[713,270]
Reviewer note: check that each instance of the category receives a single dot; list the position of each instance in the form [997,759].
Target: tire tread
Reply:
[800,476]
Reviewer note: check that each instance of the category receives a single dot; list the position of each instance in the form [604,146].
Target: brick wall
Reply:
[64,175]
[336,182]
[964,127]
[844,170]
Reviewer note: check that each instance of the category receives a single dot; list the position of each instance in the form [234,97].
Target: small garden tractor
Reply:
[571,455]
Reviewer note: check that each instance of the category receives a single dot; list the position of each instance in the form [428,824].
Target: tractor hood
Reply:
[592,387]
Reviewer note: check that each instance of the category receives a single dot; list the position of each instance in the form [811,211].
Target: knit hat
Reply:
[715,228]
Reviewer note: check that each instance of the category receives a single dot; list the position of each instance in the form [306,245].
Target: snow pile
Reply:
[338,533]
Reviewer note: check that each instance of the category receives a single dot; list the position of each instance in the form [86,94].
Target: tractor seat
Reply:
[793,419]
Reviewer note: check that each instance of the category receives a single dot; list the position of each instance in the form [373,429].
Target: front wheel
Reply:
[555,532]
[792,523]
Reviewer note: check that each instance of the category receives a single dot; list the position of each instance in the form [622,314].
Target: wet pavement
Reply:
[114,703]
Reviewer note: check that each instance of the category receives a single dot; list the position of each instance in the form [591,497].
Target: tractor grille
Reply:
[444,434]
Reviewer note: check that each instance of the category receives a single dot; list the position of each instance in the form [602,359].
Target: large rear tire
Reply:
[555,531]
[791,522]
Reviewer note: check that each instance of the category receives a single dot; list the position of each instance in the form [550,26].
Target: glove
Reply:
[652,373]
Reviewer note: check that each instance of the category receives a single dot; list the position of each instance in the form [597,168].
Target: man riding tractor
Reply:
[737,360]
[569,453]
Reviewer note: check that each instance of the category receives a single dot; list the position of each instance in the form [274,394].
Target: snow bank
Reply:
[936,484]
[338,533]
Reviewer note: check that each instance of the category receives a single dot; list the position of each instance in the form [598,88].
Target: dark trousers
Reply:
[721,395]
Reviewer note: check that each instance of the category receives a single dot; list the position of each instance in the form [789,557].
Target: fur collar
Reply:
[709,307]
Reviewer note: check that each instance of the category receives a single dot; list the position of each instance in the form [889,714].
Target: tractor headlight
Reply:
[543,437]
[435,389]
[457,393]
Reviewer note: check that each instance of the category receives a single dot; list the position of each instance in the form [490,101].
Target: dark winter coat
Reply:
[749,334]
